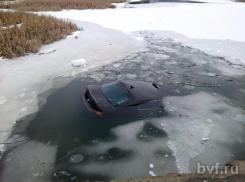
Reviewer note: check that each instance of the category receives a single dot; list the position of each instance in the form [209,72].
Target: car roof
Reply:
[141,90]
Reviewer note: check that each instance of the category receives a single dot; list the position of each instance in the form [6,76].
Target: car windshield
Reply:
[116,93]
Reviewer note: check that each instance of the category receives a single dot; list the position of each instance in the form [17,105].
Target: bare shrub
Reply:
[58,5]
[33,32]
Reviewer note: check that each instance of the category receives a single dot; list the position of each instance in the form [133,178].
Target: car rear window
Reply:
[116,94]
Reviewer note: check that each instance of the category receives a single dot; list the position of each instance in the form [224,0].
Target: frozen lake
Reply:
[204,98]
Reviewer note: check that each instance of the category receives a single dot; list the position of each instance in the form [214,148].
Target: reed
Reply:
[22,33]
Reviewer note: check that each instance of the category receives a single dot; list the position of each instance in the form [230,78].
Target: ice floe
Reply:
[185,132]
[76,158]
[240,118]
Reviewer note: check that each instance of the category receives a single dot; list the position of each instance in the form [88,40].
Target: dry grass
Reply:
[31,35]
[58,5]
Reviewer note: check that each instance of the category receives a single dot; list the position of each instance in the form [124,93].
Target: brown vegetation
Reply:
[58,5]
[33,31]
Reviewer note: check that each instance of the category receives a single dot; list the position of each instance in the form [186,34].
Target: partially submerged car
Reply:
[120,93]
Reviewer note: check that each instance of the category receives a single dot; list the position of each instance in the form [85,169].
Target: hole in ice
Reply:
[113,153]
[150,130]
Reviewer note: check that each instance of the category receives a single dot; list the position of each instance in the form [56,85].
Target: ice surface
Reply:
[229,70]
[32,159]
[231,50]
[79,62]
[187,132]
[200,21]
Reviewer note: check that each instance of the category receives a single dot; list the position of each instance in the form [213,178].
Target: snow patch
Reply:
[78,62]
[3,59]
[3,100]
[209,121]
[12,26]
[139,38]
[117,65]
[47,51]
[152,173]
[205,139]
[22,95]
[73,34]
[24,109]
